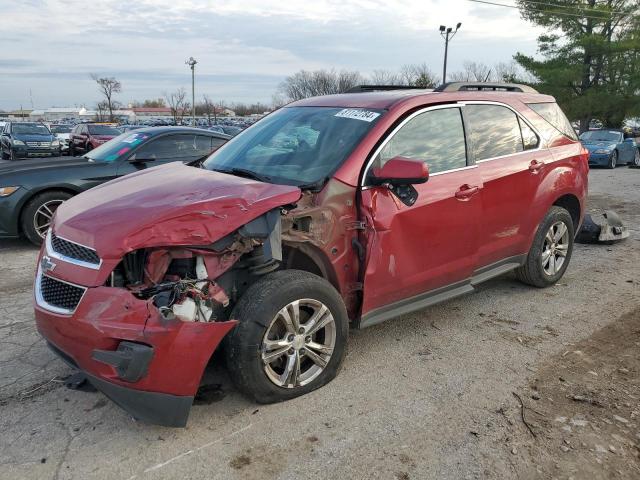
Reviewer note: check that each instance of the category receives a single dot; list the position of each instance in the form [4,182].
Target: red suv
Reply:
[87,136]
[333,212]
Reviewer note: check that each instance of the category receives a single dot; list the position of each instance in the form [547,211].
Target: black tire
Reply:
[28,213]
[255,311]
[87,147]
[532,272]
[4,155]
[636,158]
[72,150]
[12,155]
[613,160]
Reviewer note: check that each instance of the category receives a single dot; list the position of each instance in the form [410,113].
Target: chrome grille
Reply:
[73,251]
[56,295]
[38,144]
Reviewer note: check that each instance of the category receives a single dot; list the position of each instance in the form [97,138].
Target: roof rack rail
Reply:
[484,86]
[381,88]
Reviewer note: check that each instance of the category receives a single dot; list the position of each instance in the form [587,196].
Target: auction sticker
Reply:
[358,114]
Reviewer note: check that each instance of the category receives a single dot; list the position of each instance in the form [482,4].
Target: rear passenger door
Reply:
[511,164]
[415,249]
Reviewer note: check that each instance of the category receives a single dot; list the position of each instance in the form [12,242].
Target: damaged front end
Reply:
[606,228]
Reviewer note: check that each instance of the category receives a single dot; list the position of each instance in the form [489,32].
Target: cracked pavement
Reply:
[428,395]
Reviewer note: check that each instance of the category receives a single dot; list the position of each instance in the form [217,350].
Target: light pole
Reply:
[192,63]
[447,33]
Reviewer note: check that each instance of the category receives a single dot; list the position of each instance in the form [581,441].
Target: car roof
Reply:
[384,100]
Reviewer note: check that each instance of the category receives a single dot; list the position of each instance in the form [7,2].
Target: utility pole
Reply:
[192,63]
[447,33]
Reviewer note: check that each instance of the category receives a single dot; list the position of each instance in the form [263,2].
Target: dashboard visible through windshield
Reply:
[295,145]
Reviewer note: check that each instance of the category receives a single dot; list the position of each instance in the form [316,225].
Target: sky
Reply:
[244,48]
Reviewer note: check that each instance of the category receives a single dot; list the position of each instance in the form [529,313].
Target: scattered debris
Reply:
[78,381]
[586,399]
[602,228]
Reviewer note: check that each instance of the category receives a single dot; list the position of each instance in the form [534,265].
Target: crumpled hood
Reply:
[169,205]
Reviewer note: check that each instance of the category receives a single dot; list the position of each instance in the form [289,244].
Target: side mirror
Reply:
[401,171]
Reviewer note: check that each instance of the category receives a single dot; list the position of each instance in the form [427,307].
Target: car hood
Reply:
[62,136]
[597,145]
[29,137]
[169,205]
[37,166]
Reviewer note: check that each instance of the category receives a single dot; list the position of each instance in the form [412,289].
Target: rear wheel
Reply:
[613,159]
[72,150]
[291,337]
[37,215]
[636,158]
[551,250]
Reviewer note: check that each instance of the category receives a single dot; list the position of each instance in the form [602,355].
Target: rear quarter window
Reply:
[555,117]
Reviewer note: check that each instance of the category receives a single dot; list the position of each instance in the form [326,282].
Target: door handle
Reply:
[535,165]
[467,191]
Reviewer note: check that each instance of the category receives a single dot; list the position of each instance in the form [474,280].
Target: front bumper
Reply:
[30,152]
[599,159]
[107,317]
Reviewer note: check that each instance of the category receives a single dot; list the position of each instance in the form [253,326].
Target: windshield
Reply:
[60,129]
[103,130]
[116,147]
[601,136]
[296,145]
[30,129]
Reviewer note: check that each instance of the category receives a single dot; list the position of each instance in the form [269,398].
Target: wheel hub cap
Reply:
[555,248]
[298,344]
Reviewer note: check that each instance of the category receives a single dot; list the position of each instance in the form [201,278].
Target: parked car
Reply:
[62,133]
[27,139]
[215,128]
[231,130]
[87,136]
[128,128]
[610,148]
[335,211]
[31,192]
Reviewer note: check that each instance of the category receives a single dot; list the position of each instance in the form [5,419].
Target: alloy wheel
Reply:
[299,343]
[636,159]
[614,159]
[555,248]
[43,216]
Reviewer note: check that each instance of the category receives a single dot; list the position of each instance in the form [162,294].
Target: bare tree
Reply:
[418,75]
[208,107]
[304,84]
[101,111]
[176,103]
[108,86]
[386,77]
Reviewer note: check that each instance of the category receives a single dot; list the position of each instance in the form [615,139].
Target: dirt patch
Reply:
[584,408]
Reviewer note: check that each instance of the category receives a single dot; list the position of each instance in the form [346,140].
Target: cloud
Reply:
[145,43]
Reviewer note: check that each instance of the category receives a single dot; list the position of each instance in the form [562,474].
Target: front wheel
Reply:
[291,337]
[37,215]
[551,250]
[613,159]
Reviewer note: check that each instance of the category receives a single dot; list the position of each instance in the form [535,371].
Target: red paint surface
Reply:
[108,315]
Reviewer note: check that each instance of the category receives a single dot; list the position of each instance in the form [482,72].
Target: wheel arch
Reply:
[309,259]
[571,204]
[34,193]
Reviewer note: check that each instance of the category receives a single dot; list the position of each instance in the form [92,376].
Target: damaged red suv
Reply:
[333,212]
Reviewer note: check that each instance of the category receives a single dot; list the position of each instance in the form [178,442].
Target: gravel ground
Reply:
[429,395]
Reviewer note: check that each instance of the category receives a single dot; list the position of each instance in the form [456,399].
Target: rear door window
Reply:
[495,131]
[436,137]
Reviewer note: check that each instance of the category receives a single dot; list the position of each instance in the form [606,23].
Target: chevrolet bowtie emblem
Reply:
[46,265]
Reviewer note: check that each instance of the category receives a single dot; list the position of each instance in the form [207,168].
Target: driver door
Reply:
[416,254]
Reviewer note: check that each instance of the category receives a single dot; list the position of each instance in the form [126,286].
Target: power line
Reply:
[578,15]
[579,7]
